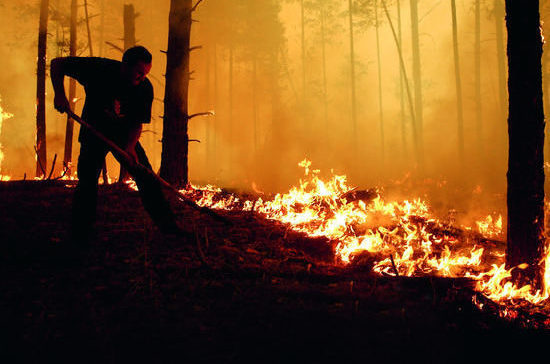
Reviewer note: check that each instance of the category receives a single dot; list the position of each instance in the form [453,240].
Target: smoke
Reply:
[277,101]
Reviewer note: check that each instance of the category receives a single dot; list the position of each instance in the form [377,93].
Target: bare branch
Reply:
[53,166]
[206,113]
[193,140]
[194,48]
[196,5]
[115,47]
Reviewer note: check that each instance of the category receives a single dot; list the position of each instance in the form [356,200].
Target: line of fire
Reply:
[303,181]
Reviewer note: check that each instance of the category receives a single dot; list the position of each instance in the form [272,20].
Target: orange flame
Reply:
[3,116]
[403,231]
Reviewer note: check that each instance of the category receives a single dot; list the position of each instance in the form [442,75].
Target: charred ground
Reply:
[254,291]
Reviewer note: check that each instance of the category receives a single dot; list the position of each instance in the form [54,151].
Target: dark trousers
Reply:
[90,164]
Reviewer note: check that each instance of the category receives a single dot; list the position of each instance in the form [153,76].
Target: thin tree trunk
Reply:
[174,164]
[208,126]
[230,109]
[525,232]
[215,105]
[90,47]
[41,90]
[477,72]
[255,102]
[325,90]
[102,29]
[303,35]
[501,57]
[129,20]
[68,153]
[458,83]
[401,82]
[129,26]
[352,74]
[417,145]
[417,75]
[380,103]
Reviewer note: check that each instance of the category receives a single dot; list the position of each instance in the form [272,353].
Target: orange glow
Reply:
[403,230]
[3,116]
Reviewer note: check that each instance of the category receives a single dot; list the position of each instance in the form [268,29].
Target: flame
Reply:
[3,116]
[402,231]
[490,227]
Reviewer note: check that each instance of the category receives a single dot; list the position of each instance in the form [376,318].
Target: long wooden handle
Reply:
[127,160]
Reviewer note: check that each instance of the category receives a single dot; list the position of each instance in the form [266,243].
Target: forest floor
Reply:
[261,293]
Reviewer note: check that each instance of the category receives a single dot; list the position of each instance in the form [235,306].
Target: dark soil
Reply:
[259,293]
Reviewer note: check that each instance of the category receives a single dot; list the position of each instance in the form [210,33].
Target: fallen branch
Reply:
[53,166]
[393,265]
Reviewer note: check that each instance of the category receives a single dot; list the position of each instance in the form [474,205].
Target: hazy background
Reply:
[270,109]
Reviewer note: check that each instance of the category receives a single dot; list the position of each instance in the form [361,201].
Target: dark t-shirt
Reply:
[112,105]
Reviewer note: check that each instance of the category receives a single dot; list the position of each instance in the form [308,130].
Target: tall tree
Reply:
[379,63]
[501,58]
[477,73]
[129,20]
[352,76]
[41,90]
[68,152]
[417,75]
[525,239]
[401,82]
[175,139]
[458,84]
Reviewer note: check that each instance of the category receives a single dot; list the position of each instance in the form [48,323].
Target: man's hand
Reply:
[61,103]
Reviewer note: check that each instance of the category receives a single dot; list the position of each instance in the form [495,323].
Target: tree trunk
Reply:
[458,83]
[68,153]
[416,139]
[526,139]
[174,163]
[129,26]
[380,104]
[325,90]
[417,76]
[102,29]
[255,103]
[352,74]
[499,25]
[477,72]
[230,154]
[90,47]
[303,35]
[129,20]
[401,84]
[41,91]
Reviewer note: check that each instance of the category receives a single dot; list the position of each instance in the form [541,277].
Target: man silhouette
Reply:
[118,102]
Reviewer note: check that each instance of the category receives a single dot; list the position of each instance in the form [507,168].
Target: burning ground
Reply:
[259,289]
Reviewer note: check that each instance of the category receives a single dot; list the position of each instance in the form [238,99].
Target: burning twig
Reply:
[393,265]
[53,166]
[65,170]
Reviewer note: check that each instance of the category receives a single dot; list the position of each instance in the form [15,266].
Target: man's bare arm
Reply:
[57,72]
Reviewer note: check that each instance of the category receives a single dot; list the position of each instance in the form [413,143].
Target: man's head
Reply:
[136,64]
